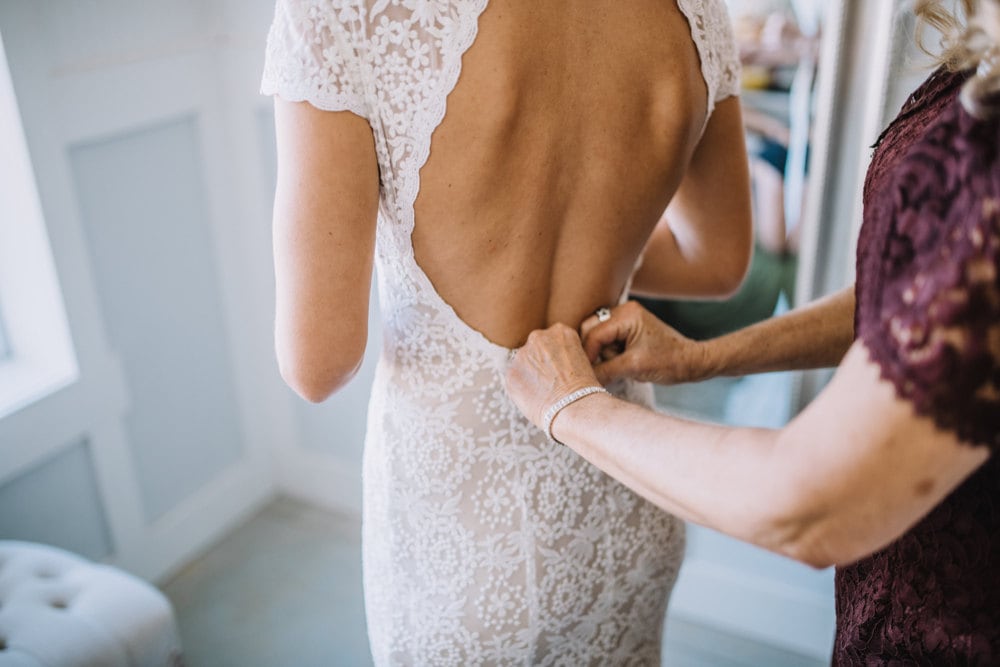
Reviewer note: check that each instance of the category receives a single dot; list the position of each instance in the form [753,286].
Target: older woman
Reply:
[889,474]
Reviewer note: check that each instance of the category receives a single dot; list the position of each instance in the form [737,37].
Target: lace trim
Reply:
[409,189]
[712,32]
[292,68]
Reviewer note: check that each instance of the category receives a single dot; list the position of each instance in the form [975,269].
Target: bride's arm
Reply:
[701,247]
[849,475]
[325,210]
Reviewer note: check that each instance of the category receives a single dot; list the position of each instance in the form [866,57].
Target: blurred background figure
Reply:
[779,45]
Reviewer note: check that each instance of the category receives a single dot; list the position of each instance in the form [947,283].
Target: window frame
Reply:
[38,356]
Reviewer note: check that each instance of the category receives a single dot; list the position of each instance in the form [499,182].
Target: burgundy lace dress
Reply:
[928,310]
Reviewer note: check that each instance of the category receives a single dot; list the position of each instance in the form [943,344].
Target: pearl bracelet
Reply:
[555,408]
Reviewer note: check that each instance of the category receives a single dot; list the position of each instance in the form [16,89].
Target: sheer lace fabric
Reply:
[483,542]
[928,311]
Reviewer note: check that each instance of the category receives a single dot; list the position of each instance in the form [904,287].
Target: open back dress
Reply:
[483,542]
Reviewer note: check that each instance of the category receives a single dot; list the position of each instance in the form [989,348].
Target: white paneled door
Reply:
[144,151]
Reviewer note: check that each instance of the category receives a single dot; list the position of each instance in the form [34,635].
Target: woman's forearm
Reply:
[852,472]
[682,465]
[816,335]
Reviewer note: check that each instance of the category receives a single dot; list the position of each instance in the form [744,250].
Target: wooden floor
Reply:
[284,590]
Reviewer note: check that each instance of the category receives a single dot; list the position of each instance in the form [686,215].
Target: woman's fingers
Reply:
[588,325]
[551,365]
[626,345]
[615,368]
[632,343]
[635,344]
[605,340]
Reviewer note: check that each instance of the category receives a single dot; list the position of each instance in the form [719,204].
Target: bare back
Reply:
[518,157]
[564,140]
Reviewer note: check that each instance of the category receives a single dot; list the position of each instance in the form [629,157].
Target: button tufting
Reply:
[68,607]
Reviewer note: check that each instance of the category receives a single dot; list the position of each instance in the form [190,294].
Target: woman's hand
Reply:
[551,365]
[635,344]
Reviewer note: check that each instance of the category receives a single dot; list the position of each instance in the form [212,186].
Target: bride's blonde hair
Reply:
[970,38]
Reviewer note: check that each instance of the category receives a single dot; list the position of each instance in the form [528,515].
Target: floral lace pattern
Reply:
[931,315]
[483,542]
[712,32]
[928,295]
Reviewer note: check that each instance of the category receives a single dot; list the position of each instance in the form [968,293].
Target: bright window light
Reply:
[36,352]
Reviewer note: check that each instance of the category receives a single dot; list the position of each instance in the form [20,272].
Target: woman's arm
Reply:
[816,335]
[849,475]
[702,245]
[325,211]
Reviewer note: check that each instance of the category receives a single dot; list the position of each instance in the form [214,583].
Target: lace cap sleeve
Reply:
[313,55]
[730,68]
[712,31]
[929,310]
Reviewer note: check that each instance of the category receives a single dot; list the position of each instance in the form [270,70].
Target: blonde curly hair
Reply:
[970,38]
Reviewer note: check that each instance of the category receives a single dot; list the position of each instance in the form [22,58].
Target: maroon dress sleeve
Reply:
[929,300]
[927,310]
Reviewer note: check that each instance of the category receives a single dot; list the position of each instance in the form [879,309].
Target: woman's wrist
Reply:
[567,421]
[572,397]
[705,360]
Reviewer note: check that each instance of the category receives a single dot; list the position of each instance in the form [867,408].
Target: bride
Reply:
[570,126]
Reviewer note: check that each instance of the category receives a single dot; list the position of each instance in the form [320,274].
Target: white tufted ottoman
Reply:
[60,610]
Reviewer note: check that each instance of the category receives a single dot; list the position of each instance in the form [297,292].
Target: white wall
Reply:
[159,445]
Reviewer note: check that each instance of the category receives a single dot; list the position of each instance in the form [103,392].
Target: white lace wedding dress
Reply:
[484,544]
